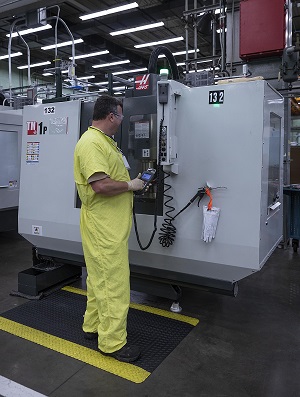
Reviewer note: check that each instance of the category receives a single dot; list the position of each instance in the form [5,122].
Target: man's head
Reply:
[105,105]
[108,114]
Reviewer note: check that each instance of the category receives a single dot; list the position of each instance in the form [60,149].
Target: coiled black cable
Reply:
[168,230]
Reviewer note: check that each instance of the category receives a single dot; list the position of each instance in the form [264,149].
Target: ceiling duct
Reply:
[36,18]
[203,23]
[20,7]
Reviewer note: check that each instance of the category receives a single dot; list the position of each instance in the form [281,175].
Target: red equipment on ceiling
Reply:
[262,28]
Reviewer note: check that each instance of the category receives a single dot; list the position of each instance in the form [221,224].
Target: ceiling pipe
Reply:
[214,33]
[72,76]
[186,27]
[222,35]
[9,57]
[289,24]
[28,58]
[195,36]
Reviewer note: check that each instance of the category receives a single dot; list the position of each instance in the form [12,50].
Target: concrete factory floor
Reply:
[244,346]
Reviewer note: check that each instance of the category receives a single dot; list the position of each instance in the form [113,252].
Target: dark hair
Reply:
[104,105]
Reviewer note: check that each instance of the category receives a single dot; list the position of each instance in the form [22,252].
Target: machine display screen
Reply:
[146,177]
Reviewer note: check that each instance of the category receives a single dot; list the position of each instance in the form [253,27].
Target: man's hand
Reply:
[136,183]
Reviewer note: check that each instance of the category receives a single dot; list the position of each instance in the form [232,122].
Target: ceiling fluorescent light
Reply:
[31,30]
[103,65]
[15,54]
[179,53]
[192,60]
[208,69]
[91,54]
[159,42]
[65,43]
[106,83]
[109,11]
[130,71]
[204,70]
[184,52]
[205,61]
[218,11]
[138,28]
[34,65]
[52,74]
[85,78]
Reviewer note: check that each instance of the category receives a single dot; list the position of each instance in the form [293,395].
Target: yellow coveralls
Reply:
[105,223]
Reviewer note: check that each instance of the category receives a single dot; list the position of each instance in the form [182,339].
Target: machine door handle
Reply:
[274,206]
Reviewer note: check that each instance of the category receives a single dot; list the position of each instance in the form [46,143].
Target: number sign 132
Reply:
[216,97]
[49,110]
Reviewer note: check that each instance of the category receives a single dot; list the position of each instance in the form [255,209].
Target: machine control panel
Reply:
[163,144]
[163,92]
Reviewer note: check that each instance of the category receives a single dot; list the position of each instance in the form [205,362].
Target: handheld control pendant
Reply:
[147,177]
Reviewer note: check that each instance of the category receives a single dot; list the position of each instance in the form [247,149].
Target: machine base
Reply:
[153,287]
[159,279]
[33,281]
[159,282]
[9,220]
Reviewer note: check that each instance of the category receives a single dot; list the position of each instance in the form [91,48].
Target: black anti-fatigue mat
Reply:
[59,316]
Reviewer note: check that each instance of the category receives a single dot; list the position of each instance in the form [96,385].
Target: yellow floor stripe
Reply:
[164,313]
[75,290]
[149,309]
[89,356]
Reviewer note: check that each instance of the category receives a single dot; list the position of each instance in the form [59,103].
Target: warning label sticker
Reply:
[33,152]
[37,230]
[58,126]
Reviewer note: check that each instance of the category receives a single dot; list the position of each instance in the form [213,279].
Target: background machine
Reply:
[10,152]
[225,137]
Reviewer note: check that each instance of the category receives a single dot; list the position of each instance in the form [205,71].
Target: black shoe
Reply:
[90,335]
[127,353]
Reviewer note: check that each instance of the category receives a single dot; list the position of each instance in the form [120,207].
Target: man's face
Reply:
[118,117]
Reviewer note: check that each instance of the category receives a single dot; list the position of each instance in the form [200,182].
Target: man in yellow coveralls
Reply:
[105,190]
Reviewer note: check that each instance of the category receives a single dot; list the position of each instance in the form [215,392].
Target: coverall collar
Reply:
[107,137]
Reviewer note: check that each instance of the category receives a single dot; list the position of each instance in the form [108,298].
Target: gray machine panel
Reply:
[223,144]
[10,153]
[47,213]
[10,146]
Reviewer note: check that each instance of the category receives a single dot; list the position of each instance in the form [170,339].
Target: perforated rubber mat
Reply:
[56,322]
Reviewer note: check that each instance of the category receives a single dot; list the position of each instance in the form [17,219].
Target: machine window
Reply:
[274,159]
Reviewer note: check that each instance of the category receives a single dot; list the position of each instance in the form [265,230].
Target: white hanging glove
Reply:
[210,222]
